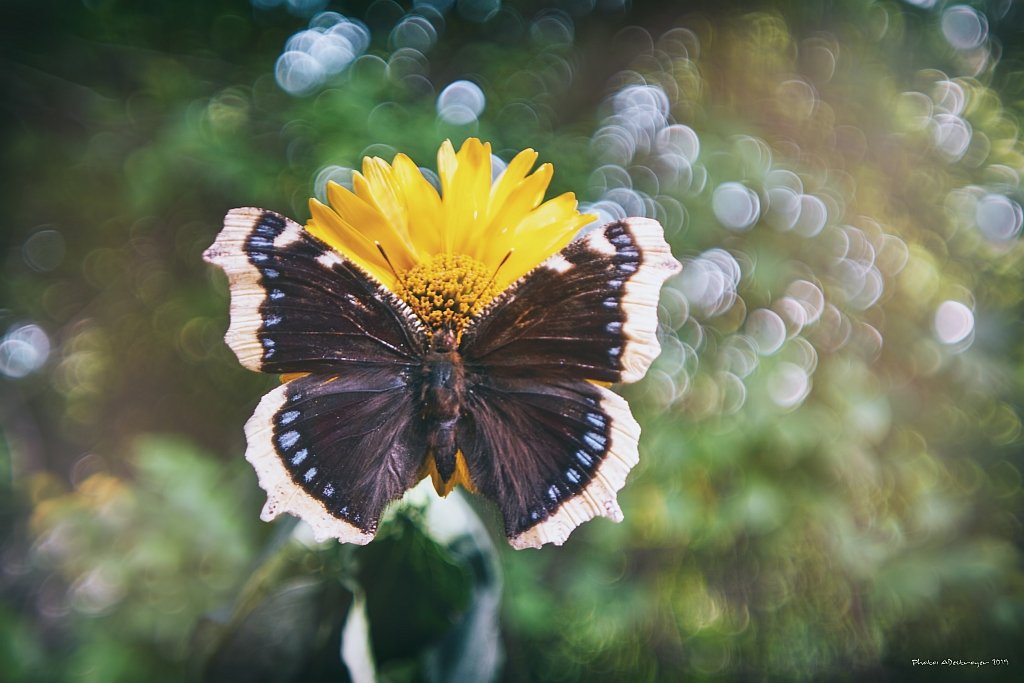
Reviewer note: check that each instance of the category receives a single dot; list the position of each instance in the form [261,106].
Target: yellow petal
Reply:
[328,226]
[545,231]
[447,163]
[466,199]
[555,213]
[372,224]
[380,189]
[510,179]
[521,200]
[376,187]
[423,207]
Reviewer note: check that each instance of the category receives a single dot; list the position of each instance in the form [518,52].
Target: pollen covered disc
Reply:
[447,291]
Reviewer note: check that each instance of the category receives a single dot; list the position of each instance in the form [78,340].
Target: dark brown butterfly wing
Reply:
[336,449]
[540,437]
[299,306]
[335,446]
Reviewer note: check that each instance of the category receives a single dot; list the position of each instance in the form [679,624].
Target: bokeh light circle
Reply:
[461,102]
[23,350]
[998,217]
[964,27]
[954,322]
[736,206]
[298,73]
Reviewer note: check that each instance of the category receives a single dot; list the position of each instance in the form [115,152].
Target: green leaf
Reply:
[471,649]
[283,638]
[288,618]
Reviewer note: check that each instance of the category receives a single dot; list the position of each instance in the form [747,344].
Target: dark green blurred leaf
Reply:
[287,621]
[471,649]
[415,590]
[287,637]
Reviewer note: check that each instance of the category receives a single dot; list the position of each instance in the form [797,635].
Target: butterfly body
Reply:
[513,404]
[441,398]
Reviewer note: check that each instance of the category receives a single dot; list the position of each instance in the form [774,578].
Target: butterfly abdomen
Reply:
[441,398]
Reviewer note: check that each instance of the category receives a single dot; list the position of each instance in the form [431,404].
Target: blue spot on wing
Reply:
[288,439]
[596,441]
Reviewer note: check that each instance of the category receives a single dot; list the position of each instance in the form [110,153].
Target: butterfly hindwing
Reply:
[550,455]
[334,450]
[299,306]
[540,438]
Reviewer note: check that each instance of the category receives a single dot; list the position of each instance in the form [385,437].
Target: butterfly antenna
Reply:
[380,248]
[491,281]
[503,261]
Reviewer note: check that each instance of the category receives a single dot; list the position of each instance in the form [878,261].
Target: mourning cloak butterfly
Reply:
[515,407]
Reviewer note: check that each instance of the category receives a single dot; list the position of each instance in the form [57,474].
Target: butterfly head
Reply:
[444,341]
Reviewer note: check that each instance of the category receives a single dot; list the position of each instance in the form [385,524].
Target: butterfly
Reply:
[515,407]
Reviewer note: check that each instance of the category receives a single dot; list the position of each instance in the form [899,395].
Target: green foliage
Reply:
[139,559]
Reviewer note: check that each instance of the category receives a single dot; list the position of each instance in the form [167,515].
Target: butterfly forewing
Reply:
[589,312]
[299,306]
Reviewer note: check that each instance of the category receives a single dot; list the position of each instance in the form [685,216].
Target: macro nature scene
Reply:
[770,256]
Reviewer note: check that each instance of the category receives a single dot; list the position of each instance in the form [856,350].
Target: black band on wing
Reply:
[551,454]
[334,450]
[299,306]
[588,312]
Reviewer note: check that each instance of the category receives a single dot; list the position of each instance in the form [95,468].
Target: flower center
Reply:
[447,291]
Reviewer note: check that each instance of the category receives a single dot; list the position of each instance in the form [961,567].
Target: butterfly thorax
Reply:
[441,395]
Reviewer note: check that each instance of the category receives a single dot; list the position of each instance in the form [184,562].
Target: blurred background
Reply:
[830,476]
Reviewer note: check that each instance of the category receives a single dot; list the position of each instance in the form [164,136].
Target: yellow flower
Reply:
[447,255]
